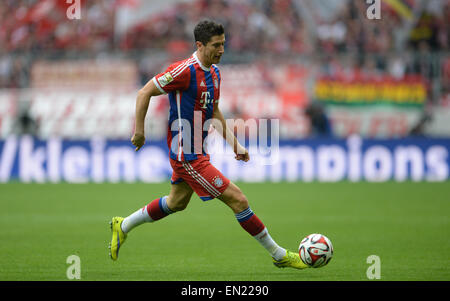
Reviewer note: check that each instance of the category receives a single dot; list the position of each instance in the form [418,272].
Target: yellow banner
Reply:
[401,8]
[403,93]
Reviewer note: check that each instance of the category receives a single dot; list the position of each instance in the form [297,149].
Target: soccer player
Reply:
[193,87]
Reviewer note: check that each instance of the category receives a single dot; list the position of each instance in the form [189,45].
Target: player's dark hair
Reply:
[206,29]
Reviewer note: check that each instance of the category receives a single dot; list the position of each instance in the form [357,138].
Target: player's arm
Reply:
[240,151]
[142,102]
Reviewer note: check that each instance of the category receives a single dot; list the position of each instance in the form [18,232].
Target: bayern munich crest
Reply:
[217,181]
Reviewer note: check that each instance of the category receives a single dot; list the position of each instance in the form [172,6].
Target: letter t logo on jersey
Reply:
[205,99]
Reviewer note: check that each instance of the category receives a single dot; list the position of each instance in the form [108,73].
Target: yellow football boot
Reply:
[118,237]
[292,260]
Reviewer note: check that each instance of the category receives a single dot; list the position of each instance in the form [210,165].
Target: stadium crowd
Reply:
[31,29]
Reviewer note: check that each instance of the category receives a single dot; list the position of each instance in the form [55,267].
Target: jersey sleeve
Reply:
[176,77]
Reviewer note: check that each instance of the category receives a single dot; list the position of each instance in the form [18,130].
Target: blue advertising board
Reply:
[27,159]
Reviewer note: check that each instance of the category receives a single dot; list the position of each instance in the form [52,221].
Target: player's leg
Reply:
[177,200]
[209,183]
[179,196]
[234,198]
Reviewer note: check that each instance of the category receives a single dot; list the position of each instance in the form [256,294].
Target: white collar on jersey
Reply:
[200,63]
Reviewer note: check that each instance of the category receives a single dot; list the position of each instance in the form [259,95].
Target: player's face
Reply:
[213,51]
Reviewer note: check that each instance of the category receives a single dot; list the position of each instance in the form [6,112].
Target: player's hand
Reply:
[138,140]
[243,156]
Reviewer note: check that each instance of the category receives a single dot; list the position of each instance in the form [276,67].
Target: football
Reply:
[316,250]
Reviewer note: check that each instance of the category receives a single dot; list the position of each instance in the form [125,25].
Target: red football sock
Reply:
[157,209]
[253,225]
[250,222]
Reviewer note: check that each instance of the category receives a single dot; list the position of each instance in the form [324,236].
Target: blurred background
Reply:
[357,98]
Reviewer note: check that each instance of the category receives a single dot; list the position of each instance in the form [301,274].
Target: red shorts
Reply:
[206,180]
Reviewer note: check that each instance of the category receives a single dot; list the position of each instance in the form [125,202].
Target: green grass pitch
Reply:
[405,224]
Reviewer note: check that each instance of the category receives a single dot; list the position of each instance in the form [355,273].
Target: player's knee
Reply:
[240,202]
[179,207]
[178,204]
